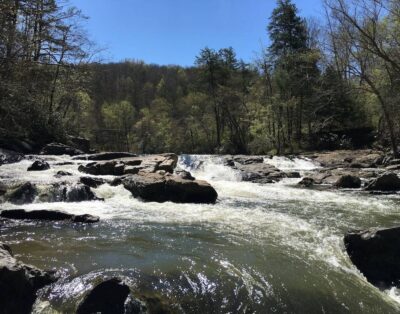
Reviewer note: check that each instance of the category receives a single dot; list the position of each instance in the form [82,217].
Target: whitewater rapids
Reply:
[261,248]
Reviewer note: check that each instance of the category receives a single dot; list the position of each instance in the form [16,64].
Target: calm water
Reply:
[262,248]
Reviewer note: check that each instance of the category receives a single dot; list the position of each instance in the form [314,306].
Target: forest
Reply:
[318,85]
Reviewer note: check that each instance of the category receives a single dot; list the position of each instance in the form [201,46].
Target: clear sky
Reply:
[174,31]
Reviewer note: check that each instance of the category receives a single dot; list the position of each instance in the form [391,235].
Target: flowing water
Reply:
[271,248]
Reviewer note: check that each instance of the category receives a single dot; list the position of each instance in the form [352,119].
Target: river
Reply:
[272,248]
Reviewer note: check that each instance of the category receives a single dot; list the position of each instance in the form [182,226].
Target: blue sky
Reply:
[174,31]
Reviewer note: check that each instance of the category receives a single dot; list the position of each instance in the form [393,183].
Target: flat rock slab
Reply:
[47,215]
[376,253]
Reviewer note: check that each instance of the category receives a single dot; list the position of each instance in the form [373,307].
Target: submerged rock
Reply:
[105,156]
[53,215]
[158,188]
[348,182]
[111,296]
[9,156]
[376,253]
[386,182]
[60,149]
[19,283]
[23,194]
[39,165]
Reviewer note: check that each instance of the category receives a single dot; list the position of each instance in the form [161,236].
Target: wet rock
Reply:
[62,173]
[52,215]
[132,165]
[19,283]
[307,182]
[62,192]
[60,149]
[393,168]
[9,157]
[104,156]
[184,174]
[247,160]
[3,189]
[293,174]
[260,173]
[386,182]
[158,188]
[23,194]
[65,163]
[39,165]
[348,182]
[111,296]
[92,182]
[376,253]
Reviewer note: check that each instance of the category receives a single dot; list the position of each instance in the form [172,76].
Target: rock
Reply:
[62,173]
[158,188]
[132,165]
[260,173]
[52,215]
[184,174]
[65,163]
[169,163]
[62,192]
[393,162]
[39,165]
[9,156]
[81,143]
[60,149]
[247,160]
[92,182]
[376,253]
[293,175]
[386,182]
[348,182]
[104,156]
[24,194]
[19,283]
[3,189]
[307,182]
[110,296]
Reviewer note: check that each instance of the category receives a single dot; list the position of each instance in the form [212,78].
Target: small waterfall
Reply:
[208,167]
[293,164]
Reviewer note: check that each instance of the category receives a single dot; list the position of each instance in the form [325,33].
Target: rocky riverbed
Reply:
[126,233]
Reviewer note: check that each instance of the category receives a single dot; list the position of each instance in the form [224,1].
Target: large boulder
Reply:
[52,215]
[19,283]
[376,253]
[104,156]
[9,157]
[23,194]
[39,165]
[60,149]
[386,182]
[348,182]
[110,296]
[162,188]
